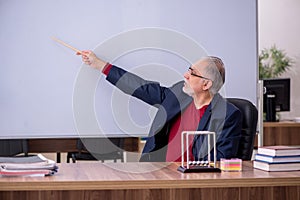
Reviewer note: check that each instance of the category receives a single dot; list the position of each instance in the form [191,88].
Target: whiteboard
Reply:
[47,92]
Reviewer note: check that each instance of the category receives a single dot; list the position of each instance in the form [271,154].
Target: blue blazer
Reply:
[220,117]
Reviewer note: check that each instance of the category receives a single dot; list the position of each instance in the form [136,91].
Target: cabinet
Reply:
[280,133]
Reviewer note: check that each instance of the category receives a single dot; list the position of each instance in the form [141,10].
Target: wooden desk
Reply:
[281,133]
[69,144]
[151,181]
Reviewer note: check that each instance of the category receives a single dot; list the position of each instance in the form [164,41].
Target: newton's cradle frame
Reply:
[197,166]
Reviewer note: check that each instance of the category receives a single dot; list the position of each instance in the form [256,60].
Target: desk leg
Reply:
[58,157]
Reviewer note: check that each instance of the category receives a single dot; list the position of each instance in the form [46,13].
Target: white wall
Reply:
[279,24]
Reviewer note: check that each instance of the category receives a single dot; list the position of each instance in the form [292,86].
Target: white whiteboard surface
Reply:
[40,79]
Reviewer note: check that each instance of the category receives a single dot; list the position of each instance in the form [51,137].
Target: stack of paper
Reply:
[233,164]
[31,165]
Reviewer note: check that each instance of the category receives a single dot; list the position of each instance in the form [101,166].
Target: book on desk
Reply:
[279,150]
[276,167]
[31,165]
[277,158]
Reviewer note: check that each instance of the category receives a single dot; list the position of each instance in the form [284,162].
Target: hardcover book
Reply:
[279,150]
[277,159]
[273,167]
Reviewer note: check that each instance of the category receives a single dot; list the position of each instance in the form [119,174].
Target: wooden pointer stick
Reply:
[66,45]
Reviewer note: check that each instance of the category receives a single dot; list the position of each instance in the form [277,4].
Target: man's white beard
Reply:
[188,90]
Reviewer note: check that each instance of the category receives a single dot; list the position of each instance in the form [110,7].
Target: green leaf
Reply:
[273,62]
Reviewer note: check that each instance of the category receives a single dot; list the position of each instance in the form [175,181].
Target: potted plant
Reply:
[273,62]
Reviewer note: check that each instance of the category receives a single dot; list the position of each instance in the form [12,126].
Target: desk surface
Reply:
[110,176]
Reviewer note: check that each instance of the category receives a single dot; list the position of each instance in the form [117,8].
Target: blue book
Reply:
[277,159]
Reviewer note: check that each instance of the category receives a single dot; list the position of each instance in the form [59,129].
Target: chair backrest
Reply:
[249,127]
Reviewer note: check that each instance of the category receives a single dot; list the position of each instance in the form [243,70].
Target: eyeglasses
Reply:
[191,70]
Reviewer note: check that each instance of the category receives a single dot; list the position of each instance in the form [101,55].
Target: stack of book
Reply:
[277,158]
[31,165]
